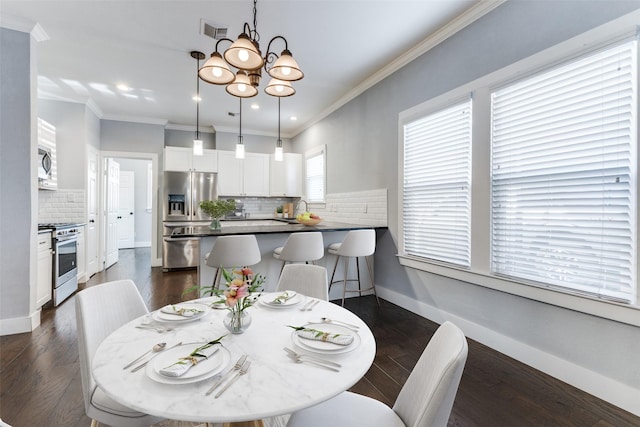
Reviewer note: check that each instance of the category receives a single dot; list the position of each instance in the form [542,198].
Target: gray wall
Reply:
[252,143]
[367,128]
[143,216]
[18,214]
[70,120]
[182,138]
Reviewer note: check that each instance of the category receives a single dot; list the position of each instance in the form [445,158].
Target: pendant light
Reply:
[198,148]
[279,156]
[240,144]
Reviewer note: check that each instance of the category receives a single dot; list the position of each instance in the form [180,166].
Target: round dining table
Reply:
[275,383]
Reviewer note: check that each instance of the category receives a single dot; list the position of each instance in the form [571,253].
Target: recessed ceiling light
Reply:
[124,88]
[255,106]
[293,118]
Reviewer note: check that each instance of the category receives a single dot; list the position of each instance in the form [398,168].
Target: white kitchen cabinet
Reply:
[181,159]
[44,272]
[243,177]
[285,177]
[82,263]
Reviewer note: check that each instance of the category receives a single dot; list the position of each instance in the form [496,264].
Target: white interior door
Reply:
[126,211]
[113,195]
[91,238]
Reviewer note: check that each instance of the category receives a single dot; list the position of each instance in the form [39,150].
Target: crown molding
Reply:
[132,119]
[471,15]
[25,26]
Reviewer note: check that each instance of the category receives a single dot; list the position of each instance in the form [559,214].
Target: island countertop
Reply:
[264,226]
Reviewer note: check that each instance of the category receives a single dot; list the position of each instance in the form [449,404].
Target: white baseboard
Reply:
[605,388]
[20,325]
[156,262]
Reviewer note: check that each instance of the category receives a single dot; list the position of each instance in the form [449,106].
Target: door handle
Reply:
[119,217]
[92,220]
[130,213]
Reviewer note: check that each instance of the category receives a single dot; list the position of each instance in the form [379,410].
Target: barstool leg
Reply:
[282,268]
[358,273]
[346,274]
[216,279]
[334,271]
[373,282]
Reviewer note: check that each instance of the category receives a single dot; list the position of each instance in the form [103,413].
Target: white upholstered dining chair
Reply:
[425,400]
[240,250]
[309,280]
[100,310]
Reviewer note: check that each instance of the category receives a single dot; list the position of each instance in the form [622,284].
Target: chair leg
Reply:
[346,274]
[94,423]
[216,279]
[334,271]
[373,282]
[282,268]
[358,275]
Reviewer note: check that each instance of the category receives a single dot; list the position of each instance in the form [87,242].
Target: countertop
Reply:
[231,228]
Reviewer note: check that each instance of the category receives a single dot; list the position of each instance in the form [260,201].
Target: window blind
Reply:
[563,162]
[315,177]
[437,183]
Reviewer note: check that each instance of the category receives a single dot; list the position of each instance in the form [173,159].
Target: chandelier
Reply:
[244,54]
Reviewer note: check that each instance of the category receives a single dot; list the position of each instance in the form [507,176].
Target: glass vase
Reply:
[215,224]
[237,321]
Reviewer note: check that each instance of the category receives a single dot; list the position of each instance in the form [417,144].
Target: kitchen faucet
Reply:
[306,205]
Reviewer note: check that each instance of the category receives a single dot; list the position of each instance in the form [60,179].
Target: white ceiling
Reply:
[95,45]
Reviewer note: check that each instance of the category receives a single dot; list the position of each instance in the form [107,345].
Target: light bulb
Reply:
[239,151]
[278,154]
[285,71]
[243,55]
[217,71]
[242,87]
[279,88]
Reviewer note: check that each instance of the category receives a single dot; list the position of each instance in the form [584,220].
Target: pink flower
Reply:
[235,293]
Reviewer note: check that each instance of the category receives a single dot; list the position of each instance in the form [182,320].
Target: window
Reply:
[315,161]
[563,144]
[437,185]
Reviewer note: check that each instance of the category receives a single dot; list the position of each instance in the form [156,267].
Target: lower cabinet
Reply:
[45,270]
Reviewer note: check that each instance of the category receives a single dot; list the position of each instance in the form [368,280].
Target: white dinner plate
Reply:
[267,299]
[213,302]
[326,347]
[215,364]
[161,316]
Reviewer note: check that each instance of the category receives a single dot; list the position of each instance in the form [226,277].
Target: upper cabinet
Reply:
[181,159]
[286,176]
[243,177]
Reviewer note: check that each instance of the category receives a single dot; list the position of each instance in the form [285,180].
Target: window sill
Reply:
[623,313]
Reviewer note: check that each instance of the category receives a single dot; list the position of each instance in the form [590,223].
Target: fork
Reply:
[159,329]
[242,371]
[307,305]
[313,304]
[235,367]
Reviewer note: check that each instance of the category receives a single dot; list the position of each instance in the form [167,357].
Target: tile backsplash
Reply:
[63,205]
[358,207]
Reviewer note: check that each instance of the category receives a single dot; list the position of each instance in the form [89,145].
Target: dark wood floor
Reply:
[40,379]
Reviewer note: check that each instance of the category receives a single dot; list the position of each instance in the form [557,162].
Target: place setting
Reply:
[183,312]
[283,299]
[189,363]
[325,337]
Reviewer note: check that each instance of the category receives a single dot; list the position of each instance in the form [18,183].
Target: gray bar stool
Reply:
[233,251]
[301,247]
[357,243]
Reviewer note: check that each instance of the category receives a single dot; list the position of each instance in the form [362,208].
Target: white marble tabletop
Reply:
[274,384]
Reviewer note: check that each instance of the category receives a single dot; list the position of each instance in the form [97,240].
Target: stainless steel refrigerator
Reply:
[183,192]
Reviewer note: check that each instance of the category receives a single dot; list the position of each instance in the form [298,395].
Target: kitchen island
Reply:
[270,235]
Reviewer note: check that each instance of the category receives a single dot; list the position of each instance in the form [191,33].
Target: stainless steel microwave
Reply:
[45,169]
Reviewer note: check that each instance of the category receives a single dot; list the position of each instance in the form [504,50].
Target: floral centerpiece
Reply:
[237,296]
[216,209]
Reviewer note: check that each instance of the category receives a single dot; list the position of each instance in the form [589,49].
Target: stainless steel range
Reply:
[65,260]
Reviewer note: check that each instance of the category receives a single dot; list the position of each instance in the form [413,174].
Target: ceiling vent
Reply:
[212,30]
